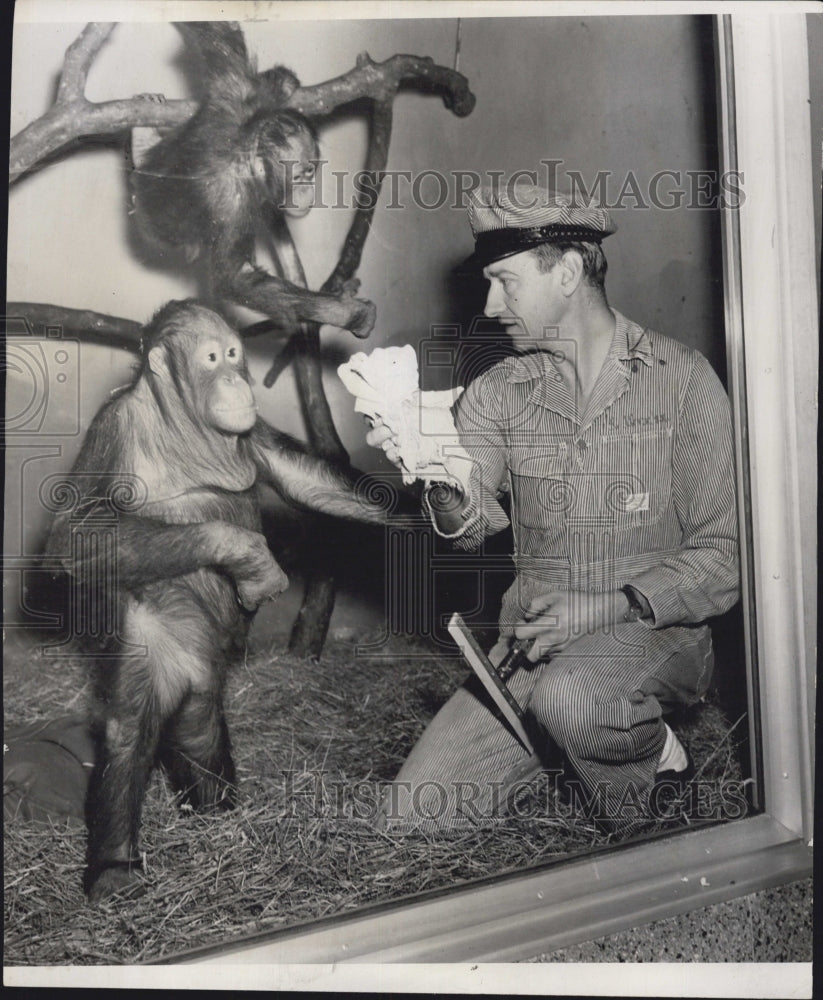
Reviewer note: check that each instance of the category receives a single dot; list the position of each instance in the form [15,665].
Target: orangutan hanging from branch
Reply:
[201,189]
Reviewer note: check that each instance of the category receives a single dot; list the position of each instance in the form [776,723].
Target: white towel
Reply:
[385,385]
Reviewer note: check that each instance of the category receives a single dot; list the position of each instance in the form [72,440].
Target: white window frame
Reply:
[771,326]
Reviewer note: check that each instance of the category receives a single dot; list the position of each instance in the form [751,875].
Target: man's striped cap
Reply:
[509,218]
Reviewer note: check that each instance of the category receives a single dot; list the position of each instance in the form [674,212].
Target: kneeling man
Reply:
[615,445]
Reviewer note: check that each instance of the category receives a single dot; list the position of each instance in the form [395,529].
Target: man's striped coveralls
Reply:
[638,490]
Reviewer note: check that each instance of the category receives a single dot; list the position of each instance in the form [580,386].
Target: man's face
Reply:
[526,301]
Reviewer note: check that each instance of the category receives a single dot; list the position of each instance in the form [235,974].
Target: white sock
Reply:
[674,756]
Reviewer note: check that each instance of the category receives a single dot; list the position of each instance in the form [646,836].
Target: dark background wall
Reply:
[632,96]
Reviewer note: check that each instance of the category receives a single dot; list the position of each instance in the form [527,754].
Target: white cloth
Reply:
[385,385]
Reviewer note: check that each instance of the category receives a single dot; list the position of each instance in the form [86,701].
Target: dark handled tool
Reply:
[517,657]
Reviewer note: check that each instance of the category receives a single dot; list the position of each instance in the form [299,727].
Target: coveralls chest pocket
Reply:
[541,488]
[636,475]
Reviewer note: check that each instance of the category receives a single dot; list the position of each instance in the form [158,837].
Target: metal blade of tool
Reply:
[484,668]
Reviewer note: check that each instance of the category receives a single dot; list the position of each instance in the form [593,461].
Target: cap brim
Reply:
[479,259]
[499,244]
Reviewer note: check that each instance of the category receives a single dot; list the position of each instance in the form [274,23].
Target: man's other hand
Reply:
[557,618]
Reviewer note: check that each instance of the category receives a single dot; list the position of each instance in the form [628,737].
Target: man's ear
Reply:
[157,361]
[571,275]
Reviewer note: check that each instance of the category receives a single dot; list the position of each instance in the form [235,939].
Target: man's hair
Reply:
[594,260]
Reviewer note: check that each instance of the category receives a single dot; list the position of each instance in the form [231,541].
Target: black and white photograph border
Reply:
[478,935]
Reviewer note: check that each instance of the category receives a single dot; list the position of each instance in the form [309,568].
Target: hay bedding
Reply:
[285,856]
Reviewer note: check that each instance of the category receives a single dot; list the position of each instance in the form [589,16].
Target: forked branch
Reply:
[73,117]
[77,63]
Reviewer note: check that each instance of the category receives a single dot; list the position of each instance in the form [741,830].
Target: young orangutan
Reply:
[188,571]
[202,188]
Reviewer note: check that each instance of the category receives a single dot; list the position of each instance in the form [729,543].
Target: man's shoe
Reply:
[678,777]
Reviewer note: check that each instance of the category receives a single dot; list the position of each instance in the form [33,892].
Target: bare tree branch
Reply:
[43,319]
[73,117]
[381,81]
[377,157]
[76,119]
[322,433]
[79,57]
[311,626]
